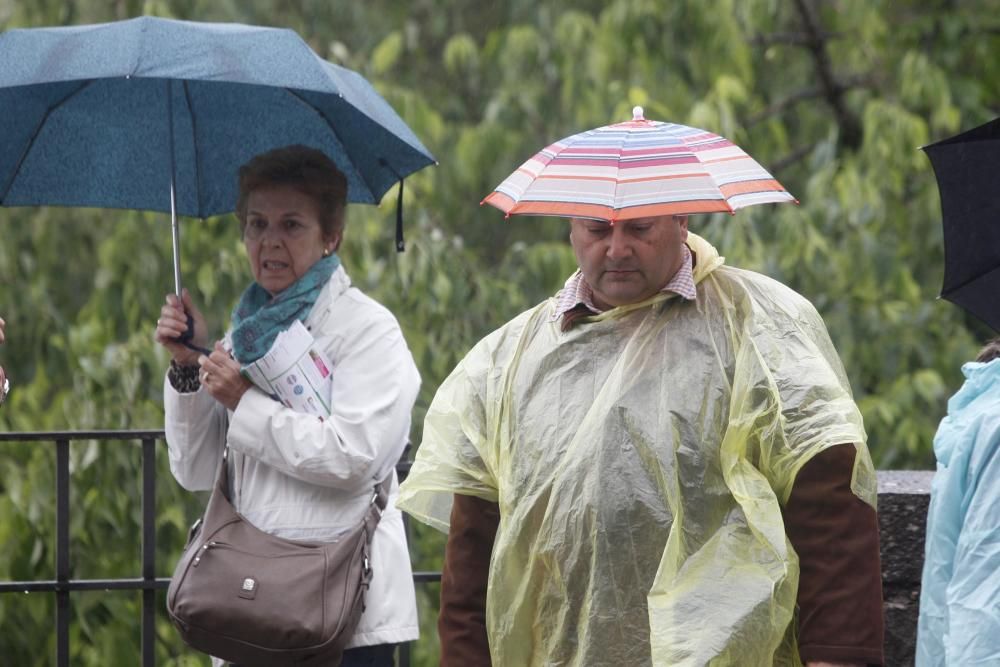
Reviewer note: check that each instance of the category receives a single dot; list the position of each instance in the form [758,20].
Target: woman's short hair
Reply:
[990,352]
[306,169]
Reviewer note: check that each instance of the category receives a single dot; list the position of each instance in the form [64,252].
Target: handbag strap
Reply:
[377,505]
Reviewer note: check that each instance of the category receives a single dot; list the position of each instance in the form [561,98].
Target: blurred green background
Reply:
[833,96]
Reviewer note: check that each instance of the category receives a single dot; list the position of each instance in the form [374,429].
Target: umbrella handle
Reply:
[185,338]
[400,245]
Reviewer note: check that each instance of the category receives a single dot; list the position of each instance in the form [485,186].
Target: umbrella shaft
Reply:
[173,199]
[175,228]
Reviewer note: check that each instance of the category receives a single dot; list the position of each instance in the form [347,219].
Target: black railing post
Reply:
[148,551]
[62,552]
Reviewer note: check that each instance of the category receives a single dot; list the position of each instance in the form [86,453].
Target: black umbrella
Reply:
[967,167]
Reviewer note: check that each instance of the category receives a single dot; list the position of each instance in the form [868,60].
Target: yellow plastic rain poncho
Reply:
[640,461]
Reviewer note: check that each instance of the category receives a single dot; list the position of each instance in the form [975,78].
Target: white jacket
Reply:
[300,477]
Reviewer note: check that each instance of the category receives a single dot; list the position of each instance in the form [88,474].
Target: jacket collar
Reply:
[339,283]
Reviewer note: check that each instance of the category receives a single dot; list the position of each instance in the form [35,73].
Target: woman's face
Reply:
[283,236]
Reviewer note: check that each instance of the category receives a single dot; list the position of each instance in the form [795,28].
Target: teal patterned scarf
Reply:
[258,318]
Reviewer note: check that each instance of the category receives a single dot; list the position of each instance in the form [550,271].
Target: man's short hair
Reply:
[306,169]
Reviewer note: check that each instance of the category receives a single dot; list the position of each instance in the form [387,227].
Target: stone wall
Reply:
[903,498]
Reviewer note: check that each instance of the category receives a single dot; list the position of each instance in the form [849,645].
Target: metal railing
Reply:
[62,586]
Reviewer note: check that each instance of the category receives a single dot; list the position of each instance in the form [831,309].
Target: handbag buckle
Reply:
[374,501]
[193,530]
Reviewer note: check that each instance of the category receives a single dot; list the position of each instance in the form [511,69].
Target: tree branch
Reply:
[833,92]
[780,106]
[796,155]
[790,38]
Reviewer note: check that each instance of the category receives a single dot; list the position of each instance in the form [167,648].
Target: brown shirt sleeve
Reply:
[462,619]
[835,534]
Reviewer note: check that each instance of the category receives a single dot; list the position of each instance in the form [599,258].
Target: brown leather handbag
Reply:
[251,598]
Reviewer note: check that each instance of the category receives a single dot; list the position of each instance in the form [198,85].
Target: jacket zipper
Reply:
[203,551]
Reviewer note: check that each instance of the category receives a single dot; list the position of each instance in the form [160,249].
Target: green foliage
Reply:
[833,97]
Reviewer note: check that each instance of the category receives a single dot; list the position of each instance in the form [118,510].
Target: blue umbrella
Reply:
[158,114]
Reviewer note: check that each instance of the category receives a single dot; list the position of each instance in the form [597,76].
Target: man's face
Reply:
[631,260]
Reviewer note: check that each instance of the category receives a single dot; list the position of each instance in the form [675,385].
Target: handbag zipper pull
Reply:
[205,547]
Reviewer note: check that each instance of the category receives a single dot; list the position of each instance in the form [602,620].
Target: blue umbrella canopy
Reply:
[110,115]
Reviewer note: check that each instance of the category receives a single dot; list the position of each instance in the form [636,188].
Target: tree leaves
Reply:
[833,98]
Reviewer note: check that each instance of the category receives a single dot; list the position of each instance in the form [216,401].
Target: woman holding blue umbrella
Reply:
[296,475]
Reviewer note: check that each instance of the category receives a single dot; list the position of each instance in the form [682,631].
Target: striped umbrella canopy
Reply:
[637,169]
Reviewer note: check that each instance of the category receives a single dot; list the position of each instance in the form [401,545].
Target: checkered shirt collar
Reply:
[577,290]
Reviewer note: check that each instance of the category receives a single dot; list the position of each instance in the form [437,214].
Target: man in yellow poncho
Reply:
[662,465]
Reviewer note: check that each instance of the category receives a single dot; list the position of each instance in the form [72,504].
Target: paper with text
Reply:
[295,372]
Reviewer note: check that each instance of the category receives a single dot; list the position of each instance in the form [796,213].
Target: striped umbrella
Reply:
[637,169]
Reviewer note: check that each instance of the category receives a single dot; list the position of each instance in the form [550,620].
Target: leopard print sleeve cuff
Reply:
[183,378]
